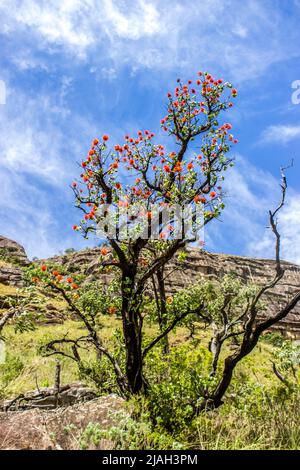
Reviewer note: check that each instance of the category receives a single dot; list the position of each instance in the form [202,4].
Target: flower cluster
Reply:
[141,170]
[54,277]
[193,105]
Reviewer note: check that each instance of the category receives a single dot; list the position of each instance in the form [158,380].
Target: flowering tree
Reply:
[189,174]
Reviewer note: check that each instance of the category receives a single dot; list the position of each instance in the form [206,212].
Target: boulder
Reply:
[12,252]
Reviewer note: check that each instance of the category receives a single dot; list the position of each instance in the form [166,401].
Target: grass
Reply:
[249,419]
[40,370]
[7,290]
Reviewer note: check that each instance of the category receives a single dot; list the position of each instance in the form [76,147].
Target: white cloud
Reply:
[38,154]
[142,20]
[170,34]
[281,133]
[251,193]
[289,228]
[29,141]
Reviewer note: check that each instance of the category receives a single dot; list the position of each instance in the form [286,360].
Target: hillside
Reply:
[40,419]
[197,263]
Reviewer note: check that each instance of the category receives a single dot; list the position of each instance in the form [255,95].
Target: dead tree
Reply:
[250,327]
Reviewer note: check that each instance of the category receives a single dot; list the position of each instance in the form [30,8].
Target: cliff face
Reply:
[197,263]
[255,270]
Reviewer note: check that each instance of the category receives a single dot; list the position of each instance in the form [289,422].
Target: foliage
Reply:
[259,412]
[10,370]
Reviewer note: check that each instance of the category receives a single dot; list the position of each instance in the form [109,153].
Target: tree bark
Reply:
[132,327]
[162,311]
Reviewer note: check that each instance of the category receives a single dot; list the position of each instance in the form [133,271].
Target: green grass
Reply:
[254,415]
[40,370]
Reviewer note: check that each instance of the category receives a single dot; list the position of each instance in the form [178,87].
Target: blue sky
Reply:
[76,69]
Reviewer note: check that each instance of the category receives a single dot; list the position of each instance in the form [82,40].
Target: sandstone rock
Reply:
[58,429]
[46,399]
[201,263]
[12,251]
[11,276]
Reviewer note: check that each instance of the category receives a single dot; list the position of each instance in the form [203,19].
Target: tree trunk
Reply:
[132,326]
[134,361]
[215,348]
[162,311]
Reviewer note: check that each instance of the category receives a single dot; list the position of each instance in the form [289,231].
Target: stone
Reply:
[13,252]
[61,428]
[46,399]
[198,263]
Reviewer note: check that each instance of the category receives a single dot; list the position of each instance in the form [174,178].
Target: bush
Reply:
[10,370]
[177,385]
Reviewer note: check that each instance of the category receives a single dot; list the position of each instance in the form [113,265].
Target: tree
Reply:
[158,177]
[237,315]
[141,170]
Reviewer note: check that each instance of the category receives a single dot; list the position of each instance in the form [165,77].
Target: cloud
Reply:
[29,140]
[280,133]
[165,35]
[38,153]
[243,228]
[289,228]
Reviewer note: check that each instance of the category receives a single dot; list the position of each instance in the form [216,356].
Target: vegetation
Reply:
[260,412]
[174,358]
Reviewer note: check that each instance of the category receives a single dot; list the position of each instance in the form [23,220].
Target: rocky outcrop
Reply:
[12,258]
[11,275]
[258,271]
[12,252]
[63,428]
[198,262]
[47,399]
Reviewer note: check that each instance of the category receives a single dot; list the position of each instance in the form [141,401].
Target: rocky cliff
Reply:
[197,263]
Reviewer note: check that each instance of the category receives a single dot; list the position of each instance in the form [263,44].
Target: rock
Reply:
[198,263]
[11,276]
[201,263]
[46,399]
[13,252]
[61,428]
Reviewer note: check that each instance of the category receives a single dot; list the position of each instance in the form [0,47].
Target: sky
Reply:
[74,70]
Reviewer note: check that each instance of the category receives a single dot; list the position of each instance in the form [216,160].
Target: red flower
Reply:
[167,169]
[213,194]
[44,267]
[234,92]
[55,273]
[104,251]
[75,227]
[190,166]
[95,142]
[200,199]
[69,280]
[74,286]
[112,310]
[105,137]
[118,185]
